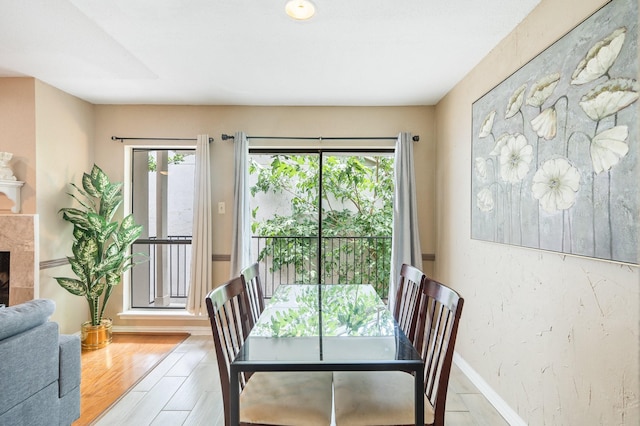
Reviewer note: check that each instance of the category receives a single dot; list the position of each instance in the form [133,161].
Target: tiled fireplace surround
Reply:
[19,237]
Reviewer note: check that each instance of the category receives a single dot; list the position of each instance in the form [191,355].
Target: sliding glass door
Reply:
[322,216]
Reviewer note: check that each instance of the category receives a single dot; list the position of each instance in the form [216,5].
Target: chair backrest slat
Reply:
[436,332]
[437,355]
[407,300]
[230,318]
[253,284]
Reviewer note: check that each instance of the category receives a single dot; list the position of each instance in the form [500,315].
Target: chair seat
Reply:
[287,398]
[376,398]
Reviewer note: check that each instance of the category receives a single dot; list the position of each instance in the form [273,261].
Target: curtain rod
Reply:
[122,139]
[415,138]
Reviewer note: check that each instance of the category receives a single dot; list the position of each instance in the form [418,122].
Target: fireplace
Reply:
[19,265]
[4,278]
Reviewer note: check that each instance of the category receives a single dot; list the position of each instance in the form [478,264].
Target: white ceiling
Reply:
[248,52]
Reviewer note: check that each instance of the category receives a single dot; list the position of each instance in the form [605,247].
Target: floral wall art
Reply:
[555,145]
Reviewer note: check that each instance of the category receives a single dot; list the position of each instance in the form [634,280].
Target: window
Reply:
[162,201]
[322,216]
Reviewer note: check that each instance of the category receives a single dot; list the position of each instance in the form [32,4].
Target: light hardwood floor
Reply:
[109,372]
[184,389]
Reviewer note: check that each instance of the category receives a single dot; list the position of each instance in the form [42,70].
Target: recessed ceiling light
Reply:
[300,9]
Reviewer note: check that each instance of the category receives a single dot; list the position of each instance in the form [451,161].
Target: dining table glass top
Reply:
[326,323]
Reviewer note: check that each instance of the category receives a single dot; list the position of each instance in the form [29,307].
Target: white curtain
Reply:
[405,242]
[241,231]
[201,245]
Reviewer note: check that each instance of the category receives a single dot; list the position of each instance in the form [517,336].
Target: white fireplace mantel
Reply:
[11,188]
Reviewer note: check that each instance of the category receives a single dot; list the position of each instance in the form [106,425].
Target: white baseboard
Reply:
[494,399]
[193,330]
[199,324]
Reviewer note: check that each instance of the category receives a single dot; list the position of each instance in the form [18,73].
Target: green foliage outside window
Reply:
[357,206]
[176,159]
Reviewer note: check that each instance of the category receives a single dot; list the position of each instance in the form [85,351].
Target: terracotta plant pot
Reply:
[96,336]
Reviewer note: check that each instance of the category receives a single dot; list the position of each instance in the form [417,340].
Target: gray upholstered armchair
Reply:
[39,368]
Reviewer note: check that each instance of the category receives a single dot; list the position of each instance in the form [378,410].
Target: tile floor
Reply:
[184,389]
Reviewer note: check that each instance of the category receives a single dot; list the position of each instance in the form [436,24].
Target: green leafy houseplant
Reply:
[101,245]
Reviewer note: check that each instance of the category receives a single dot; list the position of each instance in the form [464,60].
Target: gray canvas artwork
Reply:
[555,145]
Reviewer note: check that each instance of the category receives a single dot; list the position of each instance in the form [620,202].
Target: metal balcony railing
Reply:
[340,260]
[163,281]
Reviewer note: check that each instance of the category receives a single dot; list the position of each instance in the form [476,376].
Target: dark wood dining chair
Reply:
[386,397]
[407,299]
[251,276]
[271,398]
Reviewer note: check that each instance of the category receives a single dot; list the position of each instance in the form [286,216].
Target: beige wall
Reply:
[64,140]
[189,121]
[50,134]
[56,137]
[556,337]
[18,136]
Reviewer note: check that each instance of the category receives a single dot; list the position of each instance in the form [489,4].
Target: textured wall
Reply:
[557,337]
[64,150]
[18,136]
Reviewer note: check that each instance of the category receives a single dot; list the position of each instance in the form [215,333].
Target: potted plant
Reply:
[100,250]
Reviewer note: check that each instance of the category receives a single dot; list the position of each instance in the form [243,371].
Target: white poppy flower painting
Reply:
[485,200]
[555,185]
[481,168]
[497,148]
[515,158]
[609,98]
[542,89]
[545,124]
[485,130]
[599,58]
[515,101]
[555,146]
[608,147]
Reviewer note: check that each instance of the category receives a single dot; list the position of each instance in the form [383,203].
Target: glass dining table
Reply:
[335,327]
